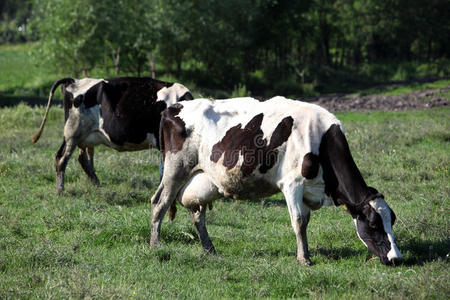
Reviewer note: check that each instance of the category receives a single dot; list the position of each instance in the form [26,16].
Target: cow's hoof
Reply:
[211,251]
[154,245]
[95,182]
[304,261]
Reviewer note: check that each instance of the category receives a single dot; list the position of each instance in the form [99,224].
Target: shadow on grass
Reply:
[338,253]
[419,252]
[279,201]
[10,101]
[128,199]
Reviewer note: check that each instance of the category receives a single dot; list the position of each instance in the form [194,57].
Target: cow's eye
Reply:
[374,220]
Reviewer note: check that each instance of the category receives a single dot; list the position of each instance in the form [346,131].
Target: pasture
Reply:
[94,242]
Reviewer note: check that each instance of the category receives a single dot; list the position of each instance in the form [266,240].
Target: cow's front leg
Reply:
[300,224]
[61,159]
[198,218]
[86,160]
[299,214]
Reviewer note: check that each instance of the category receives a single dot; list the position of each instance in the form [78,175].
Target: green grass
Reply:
[397,89]
[21,74]
[94,242]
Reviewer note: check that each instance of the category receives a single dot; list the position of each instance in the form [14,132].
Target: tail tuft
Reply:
[36,136]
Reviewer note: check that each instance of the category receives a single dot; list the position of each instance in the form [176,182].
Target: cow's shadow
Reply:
[265,202]
[418,252]
[337,253]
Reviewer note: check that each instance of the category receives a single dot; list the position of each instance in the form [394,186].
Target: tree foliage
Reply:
[257,42]
[80,35]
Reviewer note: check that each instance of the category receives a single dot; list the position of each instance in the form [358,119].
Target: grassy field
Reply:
[94,242]
[397,89]
[21,75]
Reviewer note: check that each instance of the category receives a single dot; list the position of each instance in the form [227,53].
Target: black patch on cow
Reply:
[260,98]
[186,96]
[279,136]
[172,129]
[240,140]
[92,95]
[128,107]
[249,142]
[310,166]
[89,98]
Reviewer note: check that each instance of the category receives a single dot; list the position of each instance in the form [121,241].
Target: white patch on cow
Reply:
[171,94]
[381,207]
[81,86]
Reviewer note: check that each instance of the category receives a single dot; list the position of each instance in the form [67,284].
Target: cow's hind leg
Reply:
[299,214]
[161,201]
[198,218]
[86,160]
[61,159]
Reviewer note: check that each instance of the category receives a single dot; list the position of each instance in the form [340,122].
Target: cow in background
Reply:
[121,113]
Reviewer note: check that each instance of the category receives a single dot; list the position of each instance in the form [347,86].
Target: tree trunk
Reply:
[116,60]
[151,60]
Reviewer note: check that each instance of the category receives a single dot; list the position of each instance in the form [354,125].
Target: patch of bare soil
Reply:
[414,100]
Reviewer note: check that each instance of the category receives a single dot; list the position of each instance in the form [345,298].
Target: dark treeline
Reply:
[277,45]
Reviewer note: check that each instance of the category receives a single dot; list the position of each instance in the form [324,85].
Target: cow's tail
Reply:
[173,210]
[37,135]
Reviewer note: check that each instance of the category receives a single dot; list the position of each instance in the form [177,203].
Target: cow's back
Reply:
[243,142]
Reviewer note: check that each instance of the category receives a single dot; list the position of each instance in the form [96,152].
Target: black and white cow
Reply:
[121,113]
[244,149]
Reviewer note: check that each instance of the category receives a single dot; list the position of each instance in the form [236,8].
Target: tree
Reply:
[76,36]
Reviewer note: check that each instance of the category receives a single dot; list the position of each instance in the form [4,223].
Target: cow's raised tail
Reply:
[37,135]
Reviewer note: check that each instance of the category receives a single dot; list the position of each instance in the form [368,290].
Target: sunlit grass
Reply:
[398,89]
[93,242]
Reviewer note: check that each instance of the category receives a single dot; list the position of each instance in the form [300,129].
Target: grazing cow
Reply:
[121,113]
[245,149]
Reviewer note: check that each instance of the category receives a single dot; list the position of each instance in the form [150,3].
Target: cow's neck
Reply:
[343,180]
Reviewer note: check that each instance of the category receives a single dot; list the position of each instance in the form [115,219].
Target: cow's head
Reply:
[173,94]
[374,227]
